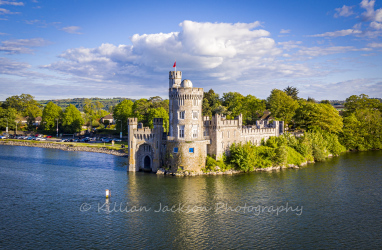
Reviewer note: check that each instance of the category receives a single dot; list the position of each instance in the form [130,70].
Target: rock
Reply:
[161,171]
[217,168]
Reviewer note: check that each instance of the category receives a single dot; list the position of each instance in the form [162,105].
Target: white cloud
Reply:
[344,11]
[338,33]
[344,89]
[72,29]
[322,51]
[282,31]
[7,12]
[224,50]
[369,7]
[375,45]
[21,46]
[376,25]
[11,3]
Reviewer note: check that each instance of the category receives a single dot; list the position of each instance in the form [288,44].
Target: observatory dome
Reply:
[186,84]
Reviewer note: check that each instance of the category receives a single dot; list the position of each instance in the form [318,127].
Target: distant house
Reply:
[339,107]
[23,120]
[266,116]
[37,121]
[109,118]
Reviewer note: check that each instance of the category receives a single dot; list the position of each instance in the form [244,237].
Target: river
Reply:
[56,199]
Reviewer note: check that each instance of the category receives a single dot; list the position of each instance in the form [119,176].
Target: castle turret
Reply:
[186,124]
[132,124]
[175,78]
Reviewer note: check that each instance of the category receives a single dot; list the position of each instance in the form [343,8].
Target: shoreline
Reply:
[161,171]
[64,147]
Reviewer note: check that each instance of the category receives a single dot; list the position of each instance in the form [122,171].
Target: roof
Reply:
[109,116]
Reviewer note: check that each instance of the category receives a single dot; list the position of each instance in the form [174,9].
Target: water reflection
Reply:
[43,190]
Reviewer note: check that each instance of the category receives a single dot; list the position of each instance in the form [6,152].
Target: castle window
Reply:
[234,133]
[195,101]
[195,115]
[181,115]
[191,150]
[175,150]
[181,131]
[195,132]
[228,134]
[222,134]
[222,144]
[181,102]
[157,144]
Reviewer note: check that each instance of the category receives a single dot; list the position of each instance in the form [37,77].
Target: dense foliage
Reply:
[284,150]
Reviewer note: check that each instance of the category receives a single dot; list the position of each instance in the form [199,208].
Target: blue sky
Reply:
[81,48]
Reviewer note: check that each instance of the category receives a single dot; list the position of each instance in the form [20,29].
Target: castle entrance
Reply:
[147,163]
[145,156]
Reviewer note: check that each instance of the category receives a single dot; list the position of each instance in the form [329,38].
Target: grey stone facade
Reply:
[191,137]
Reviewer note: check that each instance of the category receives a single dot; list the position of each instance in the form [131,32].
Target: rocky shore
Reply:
[65,147]
[217,171]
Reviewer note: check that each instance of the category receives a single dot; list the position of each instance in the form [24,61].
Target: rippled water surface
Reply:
[56,199]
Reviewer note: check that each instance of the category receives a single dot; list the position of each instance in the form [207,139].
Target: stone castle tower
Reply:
[186,146]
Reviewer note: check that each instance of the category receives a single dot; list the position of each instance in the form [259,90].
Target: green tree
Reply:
[121,112]
[158,113]
[312,115]
[25,105]
[140,109]
[325,102]
[252,108]
[72,120]
[363,130]
[233,101]
[50,113]
[282,106]
[8,116]
[292,92]
[362,101]
[211,102]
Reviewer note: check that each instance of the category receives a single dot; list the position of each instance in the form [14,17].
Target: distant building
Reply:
[109,118]
[191,137]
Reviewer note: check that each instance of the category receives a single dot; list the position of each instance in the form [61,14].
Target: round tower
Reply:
[186,140]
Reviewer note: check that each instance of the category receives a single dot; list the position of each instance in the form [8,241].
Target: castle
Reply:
[190,137]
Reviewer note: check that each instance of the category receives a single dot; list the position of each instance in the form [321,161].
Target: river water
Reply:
[56,199]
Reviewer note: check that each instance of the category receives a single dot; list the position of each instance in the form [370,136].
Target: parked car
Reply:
[3,137]
[118,140]
[49,136]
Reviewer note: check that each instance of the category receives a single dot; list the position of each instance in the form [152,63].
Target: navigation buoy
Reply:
[108,193]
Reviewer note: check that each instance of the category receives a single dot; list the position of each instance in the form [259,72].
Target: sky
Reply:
[55,49]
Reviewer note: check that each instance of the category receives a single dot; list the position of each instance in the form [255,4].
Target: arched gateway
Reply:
[145,155]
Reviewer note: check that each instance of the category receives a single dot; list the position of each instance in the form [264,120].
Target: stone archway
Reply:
[144,157]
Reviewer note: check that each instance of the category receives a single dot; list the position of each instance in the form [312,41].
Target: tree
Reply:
[158,113]
[312,115]
[325,102]
[140,109]
[8,116]
[21,103]
[252,107]
[282,106]
[362,101]
[363,129]
[121,112]
[72,120]
[25,105]
[211,102]
[50,113]
[292,92]
[233,101]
